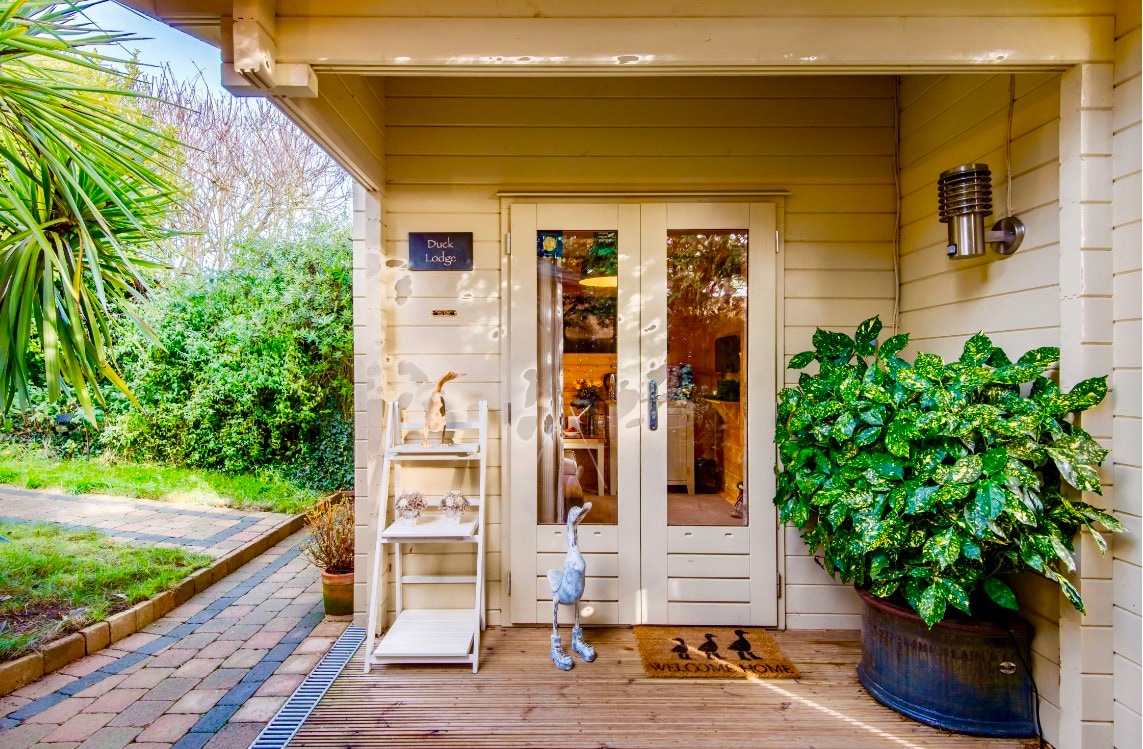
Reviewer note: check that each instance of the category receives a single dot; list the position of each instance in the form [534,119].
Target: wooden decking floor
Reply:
[519,699]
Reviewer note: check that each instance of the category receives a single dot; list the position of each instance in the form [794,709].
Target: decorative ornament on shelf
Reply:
[409,506]
[435,409]
[454,504]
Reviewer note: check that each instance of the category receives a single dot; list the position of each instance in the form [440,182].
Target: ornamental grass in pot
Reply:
[926,485]
[330,548]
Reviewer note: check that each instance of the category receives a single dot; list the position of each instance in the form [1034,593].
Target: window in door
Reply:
[577,284]
[706,377]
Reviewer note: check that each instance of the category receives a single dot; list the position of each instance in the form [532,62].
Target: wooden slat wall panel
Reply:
[672,107]
[951,120]
[955,120]
[1127,495]
[453,143]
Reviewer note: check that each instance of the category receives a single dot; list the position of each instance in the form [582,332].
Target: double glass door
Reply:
[642,380]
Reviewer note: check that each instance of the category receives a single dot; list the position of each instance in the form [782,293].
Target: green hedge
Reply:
[255,367]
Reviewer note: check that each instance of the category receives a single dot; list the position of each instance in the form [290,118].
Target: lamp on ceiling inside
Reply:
[600,266]
[964,194]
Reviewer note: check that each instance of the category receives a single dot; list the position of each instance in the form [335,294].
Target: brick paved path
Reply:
[209,674]
[212,530]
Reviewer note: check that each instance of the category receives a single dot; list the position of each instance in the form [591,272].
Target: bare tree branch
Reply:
[248,171]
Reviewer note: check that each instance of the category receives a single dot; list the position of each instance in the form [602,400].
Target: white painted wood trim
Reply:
[521,340]
[627,410]
[762,333]
[652,362]
[555,46]
[778,368]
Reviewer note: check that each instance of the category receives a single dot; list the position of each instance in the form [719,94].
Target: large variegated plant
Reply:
[934,479]
[81,190]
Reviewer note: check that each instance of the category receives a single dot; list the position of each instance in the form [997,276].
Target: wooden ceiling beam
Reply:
[645,46]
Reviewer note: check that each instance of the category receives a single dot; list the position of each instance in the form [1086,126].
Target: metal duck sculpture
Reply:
[435,410]
[567,588]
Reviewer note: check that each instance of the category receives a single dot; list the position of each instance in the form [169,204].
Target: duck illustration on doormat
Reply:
[681,649]
[742,647]
[710,647]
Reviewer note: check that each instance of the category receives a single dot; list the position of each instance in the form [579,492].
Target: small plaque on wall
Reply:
[440,250]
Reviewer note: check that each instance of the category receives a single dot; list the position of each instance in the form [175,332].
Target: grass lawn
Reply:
[37,469]
[54,581]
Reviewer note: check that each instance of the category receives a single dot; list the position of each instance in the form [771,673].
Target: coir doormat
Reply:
[712,653]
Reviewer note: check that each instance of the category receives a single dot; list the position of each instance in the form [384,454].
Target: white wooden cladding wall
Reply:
[951,120]
[451,144]
[1127,388]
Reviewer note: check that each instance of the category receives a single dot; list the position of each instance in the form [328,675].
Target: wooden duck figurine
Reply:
[567,588]
[435,410]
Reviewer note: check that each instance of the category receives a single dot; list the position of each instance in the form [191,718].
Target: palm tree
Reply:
[81,194]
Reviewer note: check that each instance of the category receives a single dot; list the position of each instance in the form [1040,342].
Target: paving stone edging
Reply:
[58,653]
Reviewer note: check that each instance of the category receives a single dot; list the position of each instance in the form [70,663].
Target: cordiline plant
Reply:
[933,479]
[83,192]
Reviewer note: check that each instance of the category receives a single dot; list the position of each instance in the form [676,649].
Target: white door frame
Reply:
[640,598]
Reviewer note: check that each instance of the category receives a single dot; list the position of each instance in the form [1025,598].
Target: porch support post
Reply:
[370,385]
[1086,334]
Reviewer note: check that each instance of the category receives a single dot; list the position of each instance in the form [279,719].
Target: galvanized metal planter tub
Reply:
[963,676]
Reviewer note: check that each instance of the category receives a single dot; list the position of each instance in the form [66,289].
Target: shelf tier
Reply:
[432,526]
[417,451]
[428,635]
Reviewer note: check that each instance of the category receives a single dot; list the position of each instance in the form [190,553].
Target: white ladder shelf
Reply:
[428,635]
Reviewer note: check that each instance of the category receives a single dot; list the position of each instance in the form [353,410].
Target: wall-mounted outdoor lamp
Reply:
[964,194]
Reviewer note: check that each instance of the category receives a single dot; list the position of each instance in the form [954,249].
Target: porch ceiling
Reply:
[519,699]
[313,57]
[642,37]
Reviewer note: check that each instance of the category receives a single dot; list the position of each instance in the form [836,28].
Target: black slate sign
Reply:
[440,250]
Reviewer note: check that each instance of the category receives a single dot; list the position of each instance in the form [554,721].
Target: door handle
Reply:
[652,405]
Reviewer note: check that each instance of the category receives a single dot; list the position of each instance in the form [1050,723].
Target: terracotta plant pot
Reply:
[337,593]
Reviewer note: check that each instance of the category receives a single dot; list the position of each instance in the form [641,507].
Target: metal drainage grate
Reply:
[283,726]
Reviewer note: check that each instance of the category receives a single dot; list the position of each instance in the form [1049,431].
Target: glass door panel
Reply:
[577,332]
[706,372]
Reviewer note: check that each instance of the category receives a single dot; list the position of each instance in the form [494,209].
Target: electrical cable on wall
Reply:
[897,196]
[1008,209]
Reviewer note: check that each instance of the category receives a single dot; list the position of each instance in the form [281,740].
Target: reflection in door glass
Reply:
[577,275]
[706,377]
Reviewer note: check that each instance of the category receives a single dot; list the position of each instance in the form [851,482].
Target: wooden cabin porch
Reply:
[518,699]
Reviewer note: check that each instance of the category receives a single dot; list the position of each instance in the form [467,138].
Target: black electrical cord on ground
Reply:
[1035,691]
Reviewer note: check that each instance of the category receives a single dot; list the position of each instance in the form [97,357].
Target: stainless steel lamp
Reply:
[964,195]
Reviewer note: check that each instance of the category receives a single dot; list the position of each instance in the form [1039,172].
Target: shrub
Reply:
[255,365]
[931,480]
[59,427]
